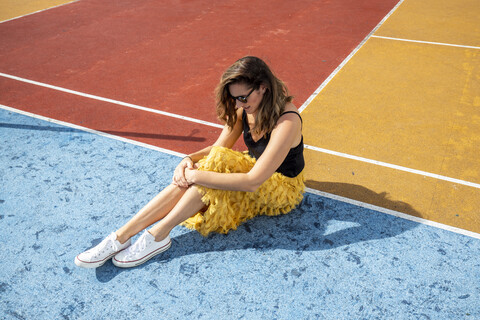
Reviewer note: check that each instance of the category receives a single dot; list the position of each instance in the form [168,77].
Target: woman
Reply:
[216,188]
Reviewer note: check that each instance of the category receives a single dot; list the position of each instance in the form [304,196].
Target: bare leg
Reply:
[187,206]
[154,211]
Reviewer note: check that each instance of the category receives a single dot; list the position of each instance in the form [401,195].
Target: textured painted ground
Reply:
[62,190]
[408,104]
[169,56]
[408,109]
[18,8]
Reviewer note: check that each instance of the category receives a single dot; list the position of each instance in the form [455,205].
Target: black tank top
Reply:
[294,161]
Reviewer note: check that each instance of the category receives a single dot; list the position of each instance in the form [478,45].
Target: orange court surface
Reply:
[398,121]
[389,94]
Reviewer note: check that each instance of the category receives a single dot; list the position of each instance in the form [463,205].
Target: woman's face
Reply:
[253,100]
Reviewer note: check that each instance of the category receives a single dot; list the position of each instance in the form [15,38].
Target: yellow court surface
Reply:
[13,9]
[101,100]
[444,21]
[409,110]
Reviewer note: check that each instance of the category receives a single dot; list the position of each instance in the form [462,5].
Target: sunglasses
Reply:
[243,99]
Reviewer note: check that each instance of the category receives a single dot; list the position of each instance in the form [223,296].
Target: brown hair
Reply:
[253,72]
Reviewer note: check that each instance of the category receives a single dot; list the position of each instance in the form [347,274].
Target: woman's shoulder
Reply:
[239,112]
[289,106]
[290,115]
[289,110]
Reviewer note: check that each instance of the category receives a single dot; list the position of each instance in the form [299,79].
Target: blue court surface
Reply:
[63,190]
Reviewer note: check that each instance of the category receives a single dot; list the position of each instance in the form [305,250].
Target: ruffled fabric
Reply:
[228,209]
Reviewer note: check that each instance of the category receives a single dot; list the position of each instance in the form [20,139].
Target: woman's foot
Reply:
[141,251]
[98,255]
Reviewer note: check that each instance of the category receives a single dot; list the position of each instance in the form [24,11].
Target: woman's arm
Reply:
[285,134]
[227,139]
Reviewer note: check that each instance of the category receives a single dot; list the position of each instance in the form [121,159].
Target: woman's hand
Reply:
[190,175]
[179,178]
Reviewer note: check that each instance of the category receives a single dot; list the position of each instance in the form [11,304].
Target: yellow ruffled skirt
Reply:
[228,209]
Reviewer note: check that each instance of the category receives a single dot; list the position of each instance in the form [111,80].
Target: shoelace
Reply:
[139,245]
[106,243]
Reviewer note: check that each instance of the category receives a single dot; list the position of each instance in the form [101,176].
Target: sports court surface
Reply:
[99,99]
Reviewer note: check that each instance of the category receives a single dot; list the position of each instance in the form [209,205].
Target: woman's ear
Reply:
[263,89]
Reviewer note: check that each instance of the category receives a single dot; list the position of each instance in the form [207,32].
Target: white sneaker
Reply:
[98,255]
[141,251]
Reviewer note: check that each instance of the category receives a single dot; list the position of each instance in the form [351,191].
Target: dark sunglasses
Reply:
[243,99]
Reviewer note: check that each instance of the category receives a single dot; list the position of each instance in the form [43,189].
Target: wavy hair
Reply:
[252,72]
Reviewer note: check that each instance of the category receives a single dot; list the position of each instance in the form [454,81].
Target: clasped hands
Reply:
[184,173]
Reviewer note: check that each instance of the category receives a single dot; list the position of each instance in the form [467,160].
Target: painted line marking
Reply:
[427,42]
[313,191]
[121,103]
[100,133]
[395,213]
[344,62]
[394,166]
[168,114]
[31,13]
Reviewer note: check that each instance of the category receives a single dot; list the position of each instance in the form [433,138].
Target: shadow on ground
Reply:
[317,224]
[130,134]
[359,193]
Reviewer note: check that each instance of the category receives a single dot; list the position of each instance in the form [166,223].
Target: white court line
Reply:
[339,154]
[29,14]
[344,62]
[121,103]
[313,191]
[100,133]
[396,167]
[427,42]
[395,213]
[320,88]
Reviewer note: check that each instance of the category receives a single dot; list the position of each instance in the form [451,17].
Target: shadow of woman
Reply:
[318,223]
[362,194]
